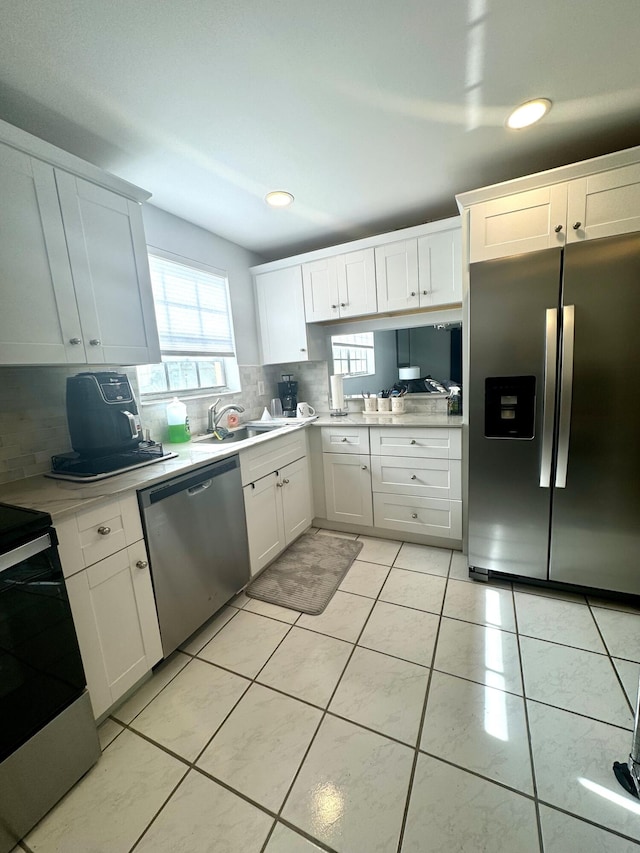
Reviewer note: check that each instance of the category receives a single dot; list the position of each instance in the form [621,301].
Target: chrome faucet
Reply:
[213,419]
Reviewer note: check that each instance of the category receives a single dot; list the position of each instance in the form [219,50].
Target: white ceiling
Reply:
[373,113]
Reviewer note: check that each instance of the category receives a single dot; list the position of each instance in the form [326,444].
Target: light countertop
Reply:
[61,497]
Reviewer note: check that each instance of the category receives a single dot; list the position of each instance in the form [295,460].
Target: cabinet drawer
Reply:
[426,441]
[418,515]
[432,478]
[98,532]
[344,439]
[271,455]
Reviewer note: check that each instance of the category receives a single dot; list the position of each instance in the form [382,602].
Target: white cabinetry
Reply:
[339,287]
[416,480]
[107,575]
[284,335]
[601,204]
[277,503]
[73,264]
[421,272]
[347,474]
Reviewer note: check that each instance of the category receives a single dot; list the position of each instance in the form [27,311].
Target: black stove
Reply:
[80,469]
[18,525]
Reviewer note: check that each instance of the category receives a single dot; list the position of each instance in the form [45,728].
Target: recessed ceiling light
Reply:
[279,198]
[528,113]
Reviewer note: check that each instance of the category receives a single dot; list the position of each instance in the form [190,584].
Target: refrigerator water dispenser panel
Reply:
[509,407]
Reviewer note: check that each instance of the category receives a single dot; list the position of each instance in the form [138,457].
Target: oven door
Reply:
[40,666]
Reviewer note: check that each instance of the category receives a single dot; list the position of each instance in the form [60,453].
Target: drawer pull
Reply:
[142,564]
[414,515]
[364,467]
[285,481]
[413,477]
[104,531]
[344,439]
[413,441]
[75,341]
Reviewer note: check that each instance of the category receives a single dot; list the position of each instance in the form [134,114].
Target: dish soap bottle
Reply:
[454,401]
[178,422]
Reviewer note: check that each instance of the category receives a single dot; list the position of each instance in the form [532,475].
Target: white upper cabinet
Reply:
[284,335]
[110,271]
[604,204]
[73,262]
[340,286]
[397,275]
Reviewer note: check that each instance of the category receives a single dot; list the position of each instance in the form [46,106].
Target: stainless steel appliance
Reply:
[48,737]
[196,536]
[554,413]
[105,430]
[288,394]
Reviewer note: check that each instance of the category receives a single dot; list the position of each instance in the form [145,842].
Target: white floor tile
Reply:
[382,693]
[208,631]
[108,732]
[480,603]
[245,644]
[111,806]
[261,745]
[402,632]
[423,558]
[564,834]
[575,680]
[486,655]
[164,673]
[284,840]
[189,710]
[621,632]
[479,728]
[549,592]
[202,816]
[412,589]
[629,673]
[273,611]
[558,621]
[307,665]
[460,567]
[455,810]
[343,617]
[351,790]
[365,579]
[383,551]
[572,759]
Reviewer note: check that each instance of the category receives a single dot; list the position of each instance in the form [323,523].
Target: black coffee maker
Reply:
[288,393]
[102,414]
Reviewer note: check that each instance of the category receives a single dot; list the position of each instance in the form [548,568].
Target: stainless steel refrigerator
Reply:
[554,415]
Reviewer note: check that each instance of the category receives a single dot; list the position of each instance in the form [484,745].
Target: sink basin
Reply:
[240,434]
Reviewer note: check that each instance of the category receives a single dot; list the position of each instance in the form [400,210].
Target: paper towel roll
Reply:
[409,373]
[337,392]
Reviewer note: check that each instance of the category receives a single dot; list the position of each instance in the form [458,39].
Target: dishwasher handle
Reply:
[195,490]
[193,483]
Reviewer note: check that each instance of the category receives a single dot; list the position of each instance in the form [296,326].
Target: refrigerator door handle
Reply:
[550,359]
[566,390]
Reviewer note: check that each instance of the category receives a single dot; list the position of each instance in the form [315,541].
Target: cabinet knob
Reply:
[104,531]
[576,225]
[279,485]
[95,342]
[343,304]
[285,481]
[344,439]
[413,477]
[413,441]
[413,293]
[414,515]
[558,229]
[142,564]
[75,341]
[364,467]
[334,307]
[425,292]
[303,349]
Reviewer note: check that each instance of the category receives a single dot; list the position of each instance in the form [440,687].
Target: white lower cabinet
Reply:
[347,483]
[106,567]
[278,510]
[418,515]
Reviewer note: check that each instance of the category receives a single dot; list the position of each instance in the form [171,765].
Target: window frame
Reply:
[369,350]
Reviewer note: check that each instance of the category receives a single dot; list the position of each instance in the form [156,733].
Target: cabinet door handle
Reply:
[413,477]
[413,293]
[95,342]
[75,341]
[142,564]
[425,292]
[364,467]
[334,306]
[413,441]
[343,304]
[104,531]
[303,349]
[414,515]
[576,225]
[558,229]
[344,439]
[285,481]
[279,485]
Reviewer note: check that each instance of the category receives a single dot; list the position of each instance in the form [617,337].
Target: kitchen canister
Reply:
[384,404]
[397,405]
[178,422]
[370,404]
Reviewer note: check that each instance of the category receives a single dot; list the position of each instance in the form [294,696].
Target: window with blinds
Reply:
[195,327]
[353,355]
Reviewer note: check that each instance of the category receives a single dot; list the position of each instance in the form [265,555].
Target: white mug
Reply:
[304,410]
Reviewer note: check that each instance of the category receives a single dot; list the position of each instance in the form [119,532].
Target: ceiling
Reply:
[373,113]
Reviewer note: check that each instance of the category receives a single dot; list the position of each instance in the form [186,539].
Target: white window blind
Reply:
[192,310]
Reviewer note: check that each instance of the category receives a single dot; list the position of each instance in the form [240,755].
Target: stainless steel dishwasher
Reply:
[196,534]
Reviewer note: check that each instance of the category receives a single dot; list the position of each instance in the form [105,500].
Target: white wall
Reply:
[172,234]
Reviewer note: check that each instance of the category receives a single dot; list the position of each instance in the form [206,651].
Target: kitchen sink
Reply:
[248,431]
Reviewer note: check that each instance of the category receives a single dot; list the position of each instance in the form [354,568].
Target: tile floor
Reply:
[420,712]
